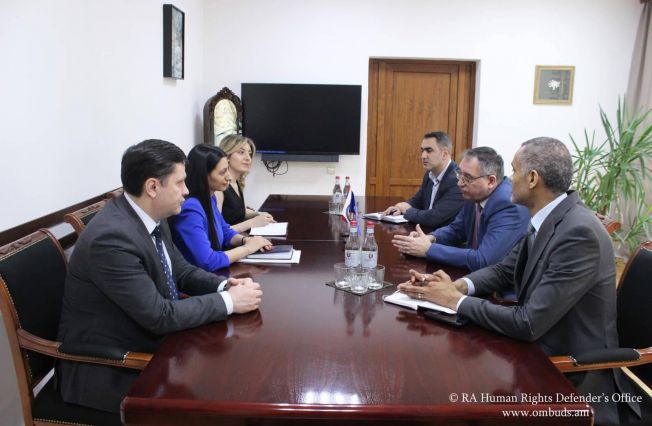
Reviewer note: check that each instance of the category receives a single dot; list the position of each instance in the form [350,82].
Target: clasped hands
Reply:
[245,294]
[436,288]
[416,243]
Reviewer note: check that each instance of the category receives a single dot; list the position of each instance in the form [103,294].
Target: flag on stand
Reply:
[350,210]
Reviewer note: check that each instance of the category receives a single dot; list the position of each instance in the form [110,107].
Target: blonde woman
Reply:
[239,150]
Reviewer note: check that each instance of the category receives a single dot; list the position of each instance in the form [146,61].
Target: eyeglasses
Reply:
[467,178]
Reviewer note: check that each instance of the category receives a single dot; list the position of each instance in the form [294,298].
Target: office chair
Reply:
[610,225]
[634,330]
[32,277]
[80,218]
[114,194]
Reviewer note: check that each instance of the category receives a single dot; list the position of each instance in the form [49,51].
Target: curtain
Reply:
[639,90]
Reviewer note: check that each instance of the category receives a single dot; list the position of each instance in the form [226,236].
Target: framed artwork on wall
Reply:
[173,41]
[553,84]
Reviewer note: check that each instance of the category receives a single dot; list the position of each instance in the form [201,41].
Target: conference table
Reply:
[315,354]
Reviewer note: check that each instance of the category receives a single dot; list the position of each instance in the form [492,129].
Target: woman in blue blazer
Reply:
[209,244]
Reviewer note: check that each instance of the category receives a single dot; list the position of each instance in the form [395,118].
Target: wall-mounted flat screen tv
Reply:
[302,118]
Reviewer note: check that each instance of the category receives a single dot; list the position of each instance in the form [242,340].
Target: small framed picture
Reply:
[553,84]
[173,40]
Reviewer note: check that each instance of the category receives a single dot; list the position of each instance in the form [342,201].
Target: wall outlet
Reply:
[330,170]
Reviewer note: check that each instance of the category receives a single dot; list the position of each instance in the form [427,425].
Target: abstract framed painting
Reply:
[553,84]
[173,41]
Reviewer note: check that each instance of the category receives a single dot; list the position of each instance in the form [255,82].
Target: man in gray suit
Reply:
[563,273]
[125,275]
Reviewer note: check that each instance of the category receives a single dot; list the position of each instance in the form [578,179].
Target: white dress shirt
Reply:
[435,182]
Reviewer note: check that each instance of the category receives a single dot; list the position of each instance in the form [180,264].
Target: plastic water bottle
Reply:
[337,191]
[369,248]
[347,187]
[352,247]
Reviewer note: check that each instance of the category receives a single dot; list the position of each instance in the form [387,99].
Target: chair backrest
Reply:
[610,225]
[634,302]
[114,194]
[32,278]
[80,218]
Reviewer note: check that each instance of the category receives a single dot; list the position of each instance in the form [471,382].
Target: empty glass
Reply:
[376,277]
[359,280]
[342,275]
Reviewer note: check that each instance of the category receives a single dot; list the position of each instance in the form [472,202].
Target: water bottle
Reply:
[347,187]
[352,247]
[369,248]
[337,191]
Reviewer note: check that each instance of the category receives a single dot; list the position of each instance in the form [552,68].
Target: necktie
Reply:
[476,226]
[435,184]
[156,233]
[530,239]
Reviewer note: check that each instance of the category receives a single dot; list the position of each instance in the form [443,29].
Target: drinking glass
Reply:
[376,277]
[359,281]
[342,275]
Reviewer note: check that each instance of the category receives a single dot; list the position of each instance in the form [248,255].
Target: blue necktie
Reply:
[156,233]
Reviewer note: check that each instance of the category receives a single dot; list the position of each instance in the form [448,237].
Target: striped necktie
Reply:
[156,233]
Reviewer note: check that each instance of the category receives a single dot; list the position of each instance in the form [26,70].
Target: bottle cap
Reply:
[354,223]
[370,225]
[347,177]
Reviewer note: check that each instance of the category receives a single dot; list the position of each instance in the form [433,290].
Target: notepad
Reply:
[273,229]
[404,300]
[282,252]
[296,257]
[386,218]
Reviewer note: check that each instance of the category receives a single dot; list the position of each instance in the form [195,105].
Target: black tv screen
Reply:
[302,118]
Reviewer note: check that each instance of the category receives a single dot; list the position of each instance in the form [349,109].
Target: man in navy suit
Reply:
[486,228]
[439,199]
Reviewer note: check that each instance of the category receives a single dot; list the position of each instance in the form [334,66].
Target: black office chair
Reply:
[32,277]
[634,331]
[80,218]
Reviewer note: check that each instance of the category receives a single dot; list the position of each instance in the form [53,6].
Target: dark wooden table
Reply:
[313,354]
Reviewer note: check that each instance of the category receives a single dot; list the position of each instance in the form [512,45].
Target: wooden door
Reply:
[407,99]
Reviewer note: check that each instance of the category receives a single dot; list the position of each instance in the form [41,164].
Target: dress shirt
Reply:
[150,224]
[435,182]
[536,221]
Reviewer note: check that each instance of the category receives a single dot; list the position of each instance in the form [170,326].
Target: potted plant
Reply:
[612,177]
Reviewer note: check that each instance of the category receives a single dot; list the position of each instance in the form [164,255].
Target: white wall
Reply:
[80,81]
[331,41]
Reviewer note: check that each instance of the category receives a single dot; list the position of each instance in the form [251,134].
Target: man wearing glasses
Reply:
[486,228]
[439,199]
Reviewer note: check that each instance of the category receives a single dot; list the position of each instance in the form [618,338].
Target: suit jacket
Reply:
[566,293]
[190,234]
[116,295]
[448,201]
[502,225]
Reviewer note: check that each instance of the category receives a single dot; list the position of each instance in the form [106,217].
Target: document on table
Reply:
[403,299]
[296,257]
[273,229]
[386,218]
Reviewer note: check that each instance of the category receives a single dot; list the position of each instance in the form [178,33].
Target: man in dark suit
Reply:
[439,199]
[125,275]
[563,273]
[487,227]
